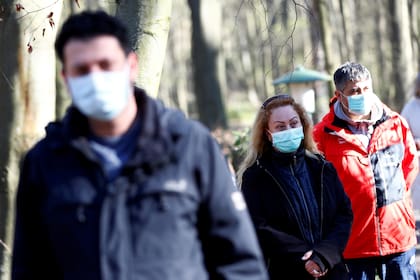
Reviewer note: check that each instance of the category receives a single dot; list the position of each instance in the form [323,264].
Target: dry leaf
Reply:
[19,7]
[52,23]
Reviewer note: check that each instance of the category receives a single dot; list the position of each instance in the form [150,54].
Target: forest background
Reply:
[216,60]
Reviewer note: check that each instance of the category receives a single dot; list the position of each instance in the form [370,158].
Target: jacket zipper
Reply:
[305,204]
[376,214]
[285,195]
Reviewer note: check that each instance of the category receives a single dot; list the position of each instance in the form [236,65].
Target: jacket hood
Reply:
[332,120]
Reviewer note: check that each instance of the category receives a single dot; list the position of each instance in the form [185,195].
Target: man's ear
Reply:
[133,65]
[338,95]
[64,77]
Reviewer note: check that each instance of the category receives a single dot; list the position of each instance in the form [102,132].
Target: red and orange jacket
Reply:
[377,180]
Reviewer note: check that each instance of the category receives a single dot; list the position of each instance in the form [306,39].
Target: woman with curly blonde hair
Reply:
[300,211]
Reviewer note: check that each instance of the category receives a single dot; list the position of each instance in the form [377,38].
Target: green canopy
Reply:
[301,75]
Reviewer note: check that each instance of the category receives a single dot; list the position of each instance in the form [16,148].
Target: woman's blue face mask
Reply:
[287,141]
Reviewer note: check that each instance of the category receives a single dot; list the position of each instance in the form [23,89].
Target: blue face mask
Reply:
[287,141]
[101,95]
[360,104]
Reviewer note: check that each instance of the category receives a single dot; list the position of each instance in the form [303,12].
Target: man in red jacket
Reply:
[374,153]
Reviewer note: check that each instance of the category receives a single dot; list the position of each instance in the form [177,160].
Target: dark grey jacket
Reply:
[173,213]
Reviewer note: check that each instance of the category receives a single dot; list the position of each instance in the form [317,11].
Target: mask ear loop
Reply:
[342,104]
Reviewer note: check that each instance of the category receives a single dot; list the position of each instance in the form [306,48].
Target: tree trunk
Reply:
[249,58]
[380,50]
[321,98]
[402,52]
[27,99]
[326,37]
[358,32]
[148,22]
[173,89]
[413,8]
[206,42]
[347,21]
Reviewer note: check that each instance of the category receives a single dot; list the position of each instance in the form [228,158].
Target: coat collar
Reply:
[154,144]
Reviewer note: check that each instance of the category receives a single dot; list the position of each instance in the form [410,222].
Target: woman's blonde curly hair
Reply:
[259,141]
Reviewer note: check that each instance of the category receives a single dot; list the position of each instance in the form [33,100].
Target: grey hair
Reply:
[350,71]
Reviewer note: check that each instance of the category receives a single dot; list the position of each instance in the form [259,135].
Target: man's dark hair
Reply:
[89,24]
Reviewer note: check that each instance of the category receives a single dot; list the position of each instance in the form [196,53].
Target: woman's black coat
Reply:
[264,185]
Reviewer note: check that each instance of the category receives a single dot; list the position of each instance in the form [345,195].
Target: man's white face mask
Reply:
[101,95]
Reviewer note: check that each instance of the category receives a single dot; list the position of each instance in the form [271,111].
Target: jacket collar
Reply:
[334,119]
[284,158]
[153,144]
